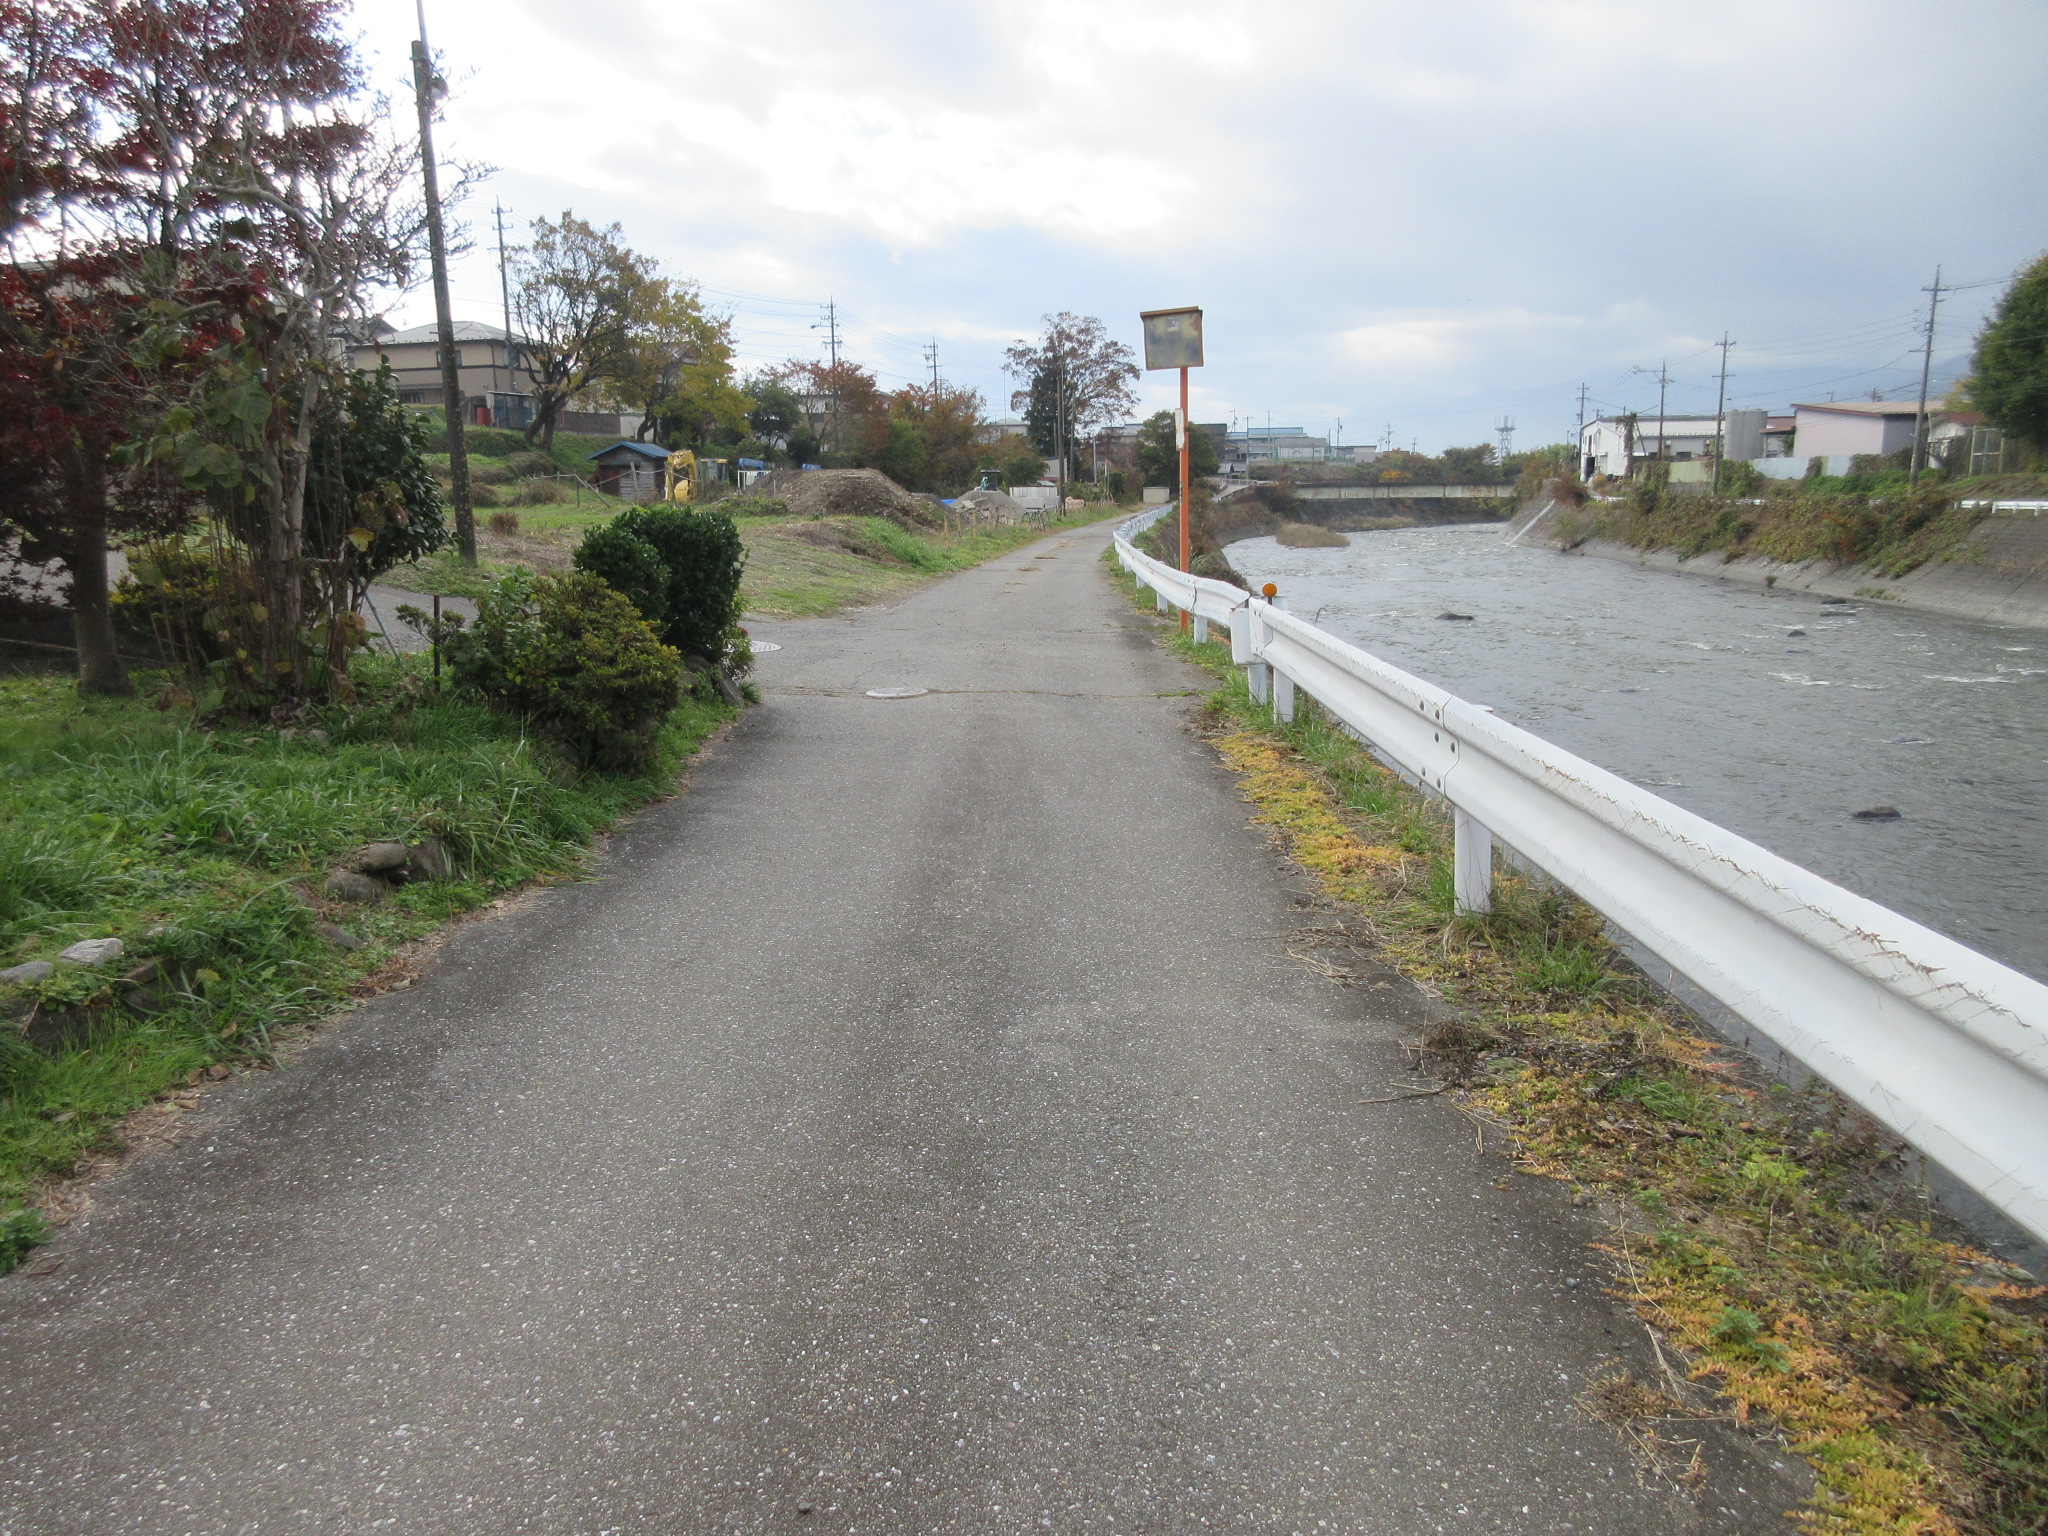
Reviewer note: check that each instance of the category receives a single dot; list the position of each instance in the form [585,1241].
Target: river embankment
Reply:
[1983,564]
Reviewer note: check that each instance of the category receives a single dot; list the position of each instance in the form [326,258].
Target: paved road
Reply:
[919,1128]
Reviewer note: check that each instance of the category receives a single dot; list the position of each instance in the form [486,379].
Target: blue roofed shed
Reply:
[629,469]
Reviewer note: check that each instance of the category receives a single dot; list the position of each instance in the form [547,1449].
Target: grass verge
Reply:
[1891,535]
[203,850]
[796,567]
[1773,1237]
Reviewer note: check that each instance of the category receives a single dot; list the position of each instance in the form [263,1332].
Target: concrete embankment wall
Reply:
[2000,573]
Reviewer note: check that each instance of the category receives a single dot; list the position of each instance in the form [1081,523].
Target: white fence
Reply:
[1943,1045]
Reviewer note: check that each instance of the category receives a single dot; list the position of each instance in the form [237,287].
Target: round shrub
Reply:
[630,565]
[702,556]
[575,658]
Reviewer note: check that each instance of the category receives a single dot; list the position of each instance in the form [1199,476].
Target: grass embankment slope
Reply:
[1889,531]
[1772,1238]
[203,850]
[797,567]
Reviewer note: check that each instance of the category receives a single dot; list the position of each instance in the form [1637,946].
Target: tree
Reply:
[1075,378]
[948,422]
[1158,451]
[2009,375]
[1476,465]
[675,367]
[855,428]
[50,71]
[225,212]
[574,301]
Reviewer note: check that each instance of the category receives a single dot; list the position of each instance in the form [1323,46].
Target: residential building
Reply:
[993,432]
[1266,444]
[496,390]
[1610,445]
[1843,427]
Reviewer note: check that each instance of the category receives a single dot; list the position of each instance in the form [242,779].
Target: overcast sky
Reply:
[1405,216]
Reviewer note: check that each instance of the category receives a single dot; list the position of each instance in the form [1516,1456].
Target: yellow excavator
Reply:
[684,477]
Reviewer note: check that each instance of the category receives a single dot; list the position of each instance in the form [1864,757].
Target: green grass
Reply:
[789,577]
[118,819]
[1891,532]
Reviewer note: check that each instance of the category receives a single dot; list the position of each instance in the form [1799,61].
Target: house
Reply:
[629,469]
[1612,445]
[496,390]
[1267,444]
[989,433]
[1839,428]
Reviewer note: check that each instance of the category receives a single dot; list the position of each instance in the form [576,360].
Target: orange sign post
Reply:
[1173,339]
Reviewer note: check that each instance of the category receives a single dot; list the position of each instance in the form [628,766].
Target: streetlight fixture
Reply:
[1173,339]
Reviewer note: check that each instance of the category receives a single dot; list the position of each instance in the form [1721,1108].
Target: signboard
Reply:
[1173,338]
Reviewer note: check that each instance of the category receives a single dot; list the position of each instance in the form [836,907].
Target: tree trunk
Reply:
[100,670]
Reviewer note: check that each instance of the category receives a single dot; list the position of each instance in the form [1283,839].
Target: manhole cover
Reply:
[897,693]
[762,647]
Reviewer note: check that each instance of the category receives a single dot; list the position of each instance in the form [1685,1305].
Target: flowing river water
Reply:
[1772,713]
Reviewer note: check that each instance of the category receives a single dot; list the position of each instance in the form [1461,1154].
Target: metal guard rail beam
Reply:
[1943,1045]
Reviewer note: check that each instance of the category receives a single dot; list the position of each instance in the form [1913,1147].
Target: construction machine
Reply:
[685,477]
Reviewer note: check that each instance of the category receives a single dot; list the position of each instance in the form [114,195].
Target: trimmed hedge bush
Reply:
[697,607]
[575,658]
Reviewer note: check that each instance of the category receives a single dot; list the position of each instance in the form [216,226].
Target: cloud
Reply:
[1391,211]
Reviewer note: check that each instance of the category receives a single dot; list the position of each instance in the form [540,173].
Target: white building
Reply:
[1842,427]
[1611,444]
[1266,444]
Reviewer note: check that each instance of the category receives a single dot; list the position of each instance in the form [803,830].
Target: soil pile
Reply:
[846,493]
[989,507]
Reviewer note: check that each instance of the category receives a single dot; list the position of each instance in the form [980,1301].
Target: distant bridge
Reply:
[1386,492]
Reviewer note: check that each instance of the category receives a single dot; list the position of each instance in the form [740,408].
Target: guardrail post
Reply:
[1471,863]
[1159,599]
[1283,685]
[1201,630]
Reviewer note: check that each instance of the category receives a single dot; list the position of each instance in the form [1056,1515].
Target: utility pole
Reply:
[931,355]
[1721,413]
[1663,383]
[1926,370]
[1579,439]
[504,296]
[426,87]
[830,326]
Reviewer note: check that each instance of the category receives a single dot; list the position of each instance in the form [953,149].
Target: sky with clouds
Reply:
[1413,219]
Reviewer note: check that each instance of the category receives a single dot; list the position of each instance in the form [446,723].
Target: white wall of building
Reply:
[1823,432]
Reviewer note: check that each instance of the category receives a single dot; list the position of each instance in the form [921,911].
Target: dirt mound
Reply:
[846,493]
[1309,536]
[989,507]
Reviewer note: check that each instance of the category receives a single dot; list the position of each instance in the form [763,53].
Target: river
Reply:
[1772,713]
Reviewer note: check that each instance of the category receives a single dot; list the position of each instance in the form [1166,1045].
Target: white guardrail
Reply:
[1945,1046]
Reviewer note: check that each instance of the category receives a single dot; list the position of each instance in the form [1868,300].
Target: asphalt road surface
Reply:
[919,1127]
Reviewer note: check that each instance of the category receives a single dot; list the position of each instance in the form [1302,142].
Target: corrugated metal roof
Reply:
[646,449]
[465,330]
[1869,407]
